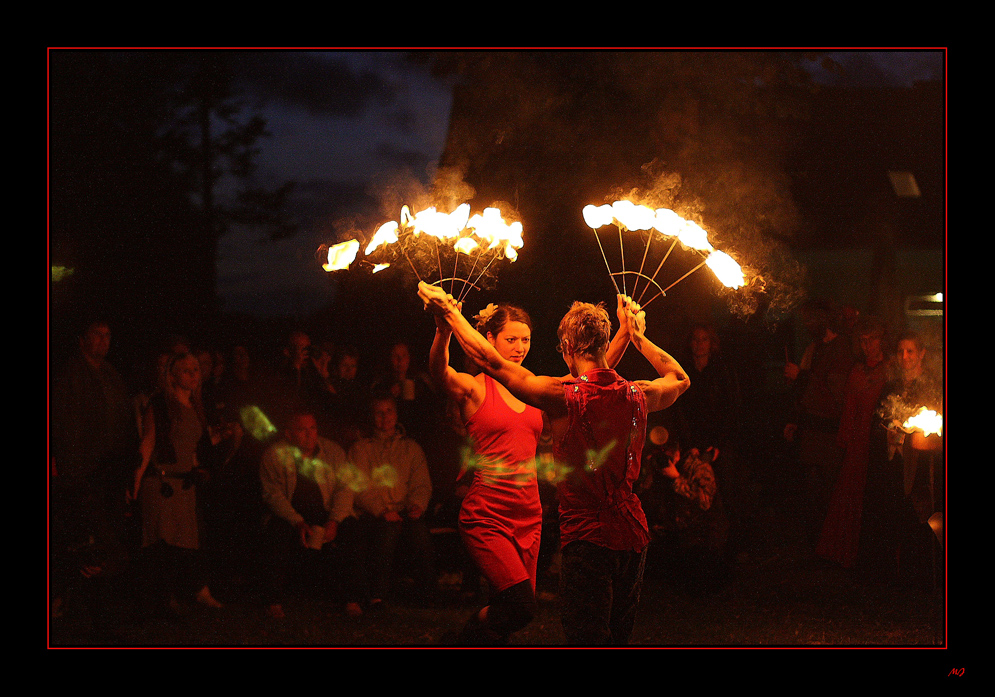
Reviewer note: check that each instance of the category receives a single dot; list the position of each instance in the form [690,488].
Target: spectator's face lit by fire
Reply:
[910,357]
[384,417]
[870,345]
[348,367]
[96,342]
[186,374]
[240,358]
[513,341]
[701,344]
[298,349]
[400,360]
[206,363]
[302,433]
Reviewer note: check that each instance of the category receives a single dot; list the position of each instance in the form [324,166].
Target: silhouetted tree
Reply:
[151,162]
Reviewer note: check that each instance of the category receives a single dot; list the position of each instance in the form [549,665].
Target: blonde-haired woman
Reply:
[175,438]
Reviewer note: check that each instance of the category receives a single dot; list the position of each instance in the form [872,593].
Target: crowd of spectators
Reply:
[330,469]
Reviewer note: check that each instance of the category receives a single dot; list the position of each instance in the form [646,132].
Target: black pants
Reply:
[370,545]
[600,593]
[287,560]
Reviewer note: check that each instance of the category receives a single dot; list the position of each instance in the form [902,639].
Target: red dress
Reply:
[841,529]
[501,517]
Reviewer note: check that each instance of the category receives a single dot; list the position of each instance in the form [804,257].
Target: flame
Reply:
[465,245]
[667,222]
[598,216]
[729,273]
[625,213]
[694,237]
[341,255]
[385,234]
[925,420]
[633,217]
[444,226]
[491,228]
[481,233]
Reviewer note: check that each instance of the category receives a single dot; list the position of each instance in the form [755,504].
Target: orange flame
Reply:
[385,234]
[726,269]
[341,255]
[668,223]
[492,229]
[925,420]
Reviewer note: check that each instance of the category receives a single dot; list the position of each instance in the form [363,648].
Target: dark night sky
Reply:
[342,121]
[336,134]
[343,124]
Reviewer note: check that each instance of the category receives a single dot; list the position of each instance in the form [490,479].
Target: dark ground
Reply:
[777,596]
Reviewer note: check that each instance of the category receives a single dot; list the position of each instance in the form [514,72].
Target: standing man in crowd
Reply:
[94,445]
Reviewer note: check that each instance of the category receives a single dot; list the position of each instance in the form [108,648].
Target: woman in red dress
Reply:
[841,529]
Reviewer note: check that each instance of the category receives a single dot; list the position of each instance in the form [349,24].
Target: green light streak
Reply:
[256,423]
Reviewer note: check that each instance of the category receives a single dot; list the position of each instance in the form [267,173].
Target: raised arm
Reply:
[542,392]
[619,342]
[456,385]
[673,381]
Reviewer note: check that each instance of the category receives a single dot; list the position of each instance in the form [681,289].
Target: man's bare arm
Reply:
[673,381]
[619,342]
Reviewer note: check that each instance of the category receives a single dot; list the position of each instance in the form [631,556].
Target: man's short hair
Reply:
[587,328]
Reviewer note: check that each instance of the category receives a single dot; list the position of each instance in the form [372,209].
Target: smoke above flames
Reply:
[775,279]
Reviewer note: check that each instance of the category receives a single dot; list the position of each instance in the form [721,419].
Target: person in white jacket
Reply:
[389,479]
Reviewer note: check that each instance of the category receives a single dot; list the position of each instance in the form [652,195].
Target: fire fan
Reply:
[630,217]
[432,243]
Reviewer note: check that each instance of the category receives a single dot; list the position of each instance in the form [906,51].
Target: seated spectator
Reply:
[390,478]
[687,518]
[304,505]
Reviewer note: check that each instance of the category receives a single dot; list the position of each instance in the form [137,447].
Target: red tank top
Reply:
[505,440]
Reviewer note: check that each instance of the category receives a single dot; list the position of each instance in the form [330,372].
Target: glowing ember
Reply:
[726,269]
[925,420]
[380,267]
[341,255]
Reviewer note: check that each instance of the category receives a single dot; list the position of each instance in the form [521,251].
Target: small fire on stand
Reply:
[926,427]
